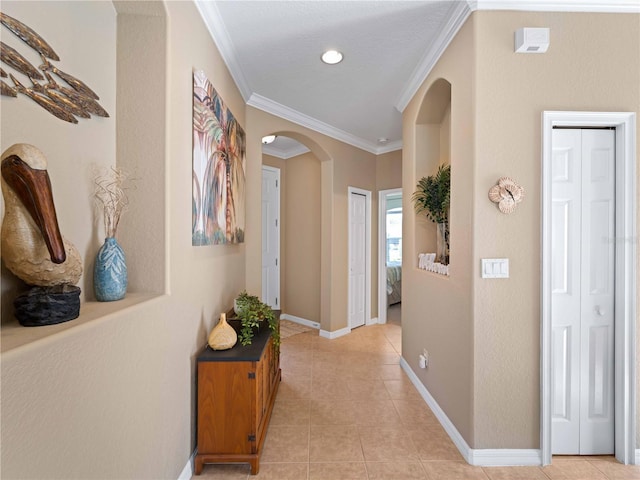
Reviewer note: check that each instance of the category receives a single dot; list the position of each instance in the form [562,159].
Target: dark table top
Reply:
[239,353]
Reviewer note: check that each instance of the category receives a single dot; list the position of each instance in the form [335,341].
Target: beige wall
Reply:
[593,64]
[437,310]
[303,233]
[140,139]
[356,170]
[389,170]
[300,287]
[487,376]
[300,234]
[120,386]
[341,165]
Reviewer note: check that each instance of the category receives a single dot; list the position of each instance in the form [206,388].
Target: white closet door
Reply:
[271,237]
[583,213]
[357,259]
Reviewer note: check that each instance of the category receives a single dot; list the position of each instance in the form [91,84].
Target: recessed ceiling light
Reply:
[268,139]
[332,57]
[383,140]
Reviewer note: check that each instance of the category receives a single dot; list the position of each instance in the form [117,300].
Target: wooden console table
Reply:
[236,392]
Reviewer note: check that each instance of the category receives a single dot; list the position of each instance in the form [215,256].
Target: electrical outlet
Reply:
[422,362]
[425,354]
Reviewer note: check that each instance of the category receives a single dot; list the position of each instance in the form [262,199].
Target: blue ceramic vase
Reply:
[110,272]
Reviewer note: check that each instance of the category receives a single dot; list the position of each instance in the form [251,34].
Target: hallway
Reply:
[345,410]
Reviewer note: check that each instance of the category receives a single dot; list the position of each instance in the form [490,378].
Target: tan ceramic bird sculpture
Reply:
[32,247]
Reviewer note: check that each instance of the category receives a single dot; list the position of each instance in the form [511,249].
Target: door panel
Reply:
[599,281]
[565,257]
[598,398]
[357,260]
[271,237]
[561,339]
[583,213]
[598,272]
[560,272]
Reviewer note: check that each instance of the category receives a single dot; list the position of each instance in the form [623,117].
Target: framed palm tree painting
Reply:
[218,206]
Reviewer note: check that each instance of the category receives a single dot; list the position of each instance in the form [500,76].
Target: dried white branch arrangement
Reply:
[110,194]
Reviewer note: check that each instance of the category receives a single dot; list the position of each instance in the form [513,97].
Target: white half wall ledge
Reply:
[335,333]
[300,321]
[503,457]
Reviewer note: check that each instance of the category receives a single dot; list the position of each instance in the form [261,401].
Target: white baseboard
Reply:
[478,457]
[187,471]
[372,321]
[300,320]
[505,457]
[335,334]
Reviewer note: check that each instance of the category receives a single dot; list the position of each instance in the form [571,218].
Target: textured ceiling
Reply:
[275,48]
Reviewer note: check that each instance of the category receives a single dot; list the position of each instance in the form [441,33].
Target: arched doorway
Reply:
[292,180]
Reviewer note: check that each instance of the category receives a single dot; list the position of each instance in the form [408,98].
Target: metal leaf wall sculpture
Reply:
[63,102]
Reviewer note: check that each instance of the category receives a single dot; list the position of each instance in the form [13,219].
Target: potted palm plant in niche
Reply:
[252,313]
[432,198]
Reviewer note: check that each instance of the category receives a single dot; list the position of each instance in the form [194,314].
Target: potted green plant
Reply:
[251,312]
[432,197]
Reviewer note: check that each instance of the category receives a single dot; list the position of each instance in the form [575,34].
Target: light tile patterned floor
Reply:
[345,410]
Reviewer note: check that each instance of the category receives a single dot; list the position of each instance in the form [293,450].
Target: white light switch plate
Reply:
[495,268]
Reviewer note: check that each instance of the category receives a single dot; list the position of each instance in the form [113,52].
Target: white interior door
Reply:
[582,285]
[357,258]
[271,236]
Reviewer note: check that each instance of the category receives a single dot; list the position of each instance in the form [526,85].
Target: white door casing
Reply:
[382,252]
[271,236]
[624,310]
[359,257]
[583,211]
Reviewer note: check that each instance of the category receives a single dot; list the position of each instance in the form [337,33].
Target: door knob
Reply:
[599,310]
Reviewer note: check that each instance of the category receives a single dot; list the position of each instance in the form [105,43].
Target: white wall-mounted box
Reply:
[532,40]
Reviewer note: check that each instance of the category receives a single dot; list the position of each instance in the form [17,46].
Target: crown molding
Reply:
[601,6]
[285,154]
[389,147]
[459,13]
[282,111]
[218,31]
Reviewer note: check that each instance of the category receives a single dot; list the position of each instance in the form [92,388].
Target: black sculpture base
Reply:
[48,305]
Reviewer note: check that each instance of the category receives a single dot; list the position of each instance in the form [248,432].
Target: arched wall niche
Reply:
[132,60]
[433,148]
